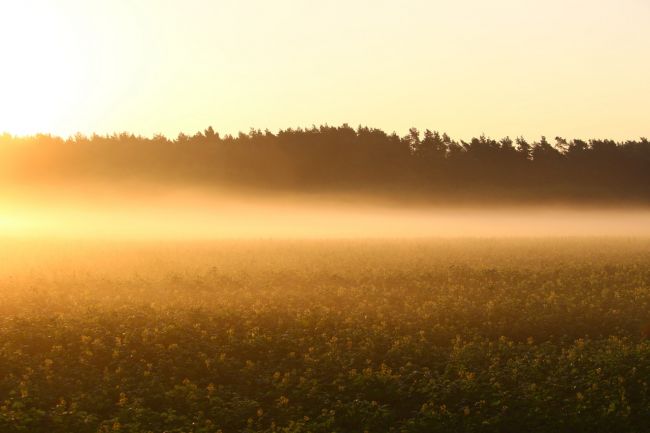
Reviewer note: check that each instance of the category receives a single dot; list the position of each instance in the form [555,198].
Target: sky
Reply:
[573,68]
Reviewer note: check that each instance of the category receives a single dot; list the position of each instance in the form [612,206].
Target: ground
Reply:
[490,335]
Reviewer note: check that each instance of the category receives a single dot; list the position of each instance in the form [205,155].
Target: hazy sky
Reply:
[500,67]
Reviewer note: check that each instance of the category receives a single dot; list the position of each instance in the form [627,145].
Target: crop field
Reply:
[480,335]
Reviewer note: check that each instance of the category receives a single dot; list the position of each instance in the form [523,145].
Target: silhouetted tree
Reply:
[340,158]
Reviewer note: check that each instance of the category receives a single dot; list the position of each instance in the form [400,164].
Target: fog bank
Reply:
[184,214]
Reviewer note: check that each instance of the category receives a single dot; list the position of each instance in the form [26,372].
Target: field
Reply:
[489,335]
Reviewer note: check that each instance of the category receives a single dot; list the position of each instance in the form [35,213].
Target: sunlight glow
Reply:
[39,70]
[571,68]
[191,215]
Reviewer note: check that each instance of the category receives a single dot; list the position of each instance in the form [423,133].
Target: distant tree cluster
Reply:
[428,164]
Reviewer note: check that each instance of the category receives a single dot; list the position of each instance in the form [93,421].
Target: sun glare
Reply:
[39,67]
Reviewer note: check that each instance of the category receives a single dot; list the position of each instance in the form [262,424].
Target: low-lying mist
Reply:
[140,212]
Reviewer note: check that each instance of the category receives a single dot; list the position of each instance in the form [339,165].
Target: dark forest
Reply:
[428,165]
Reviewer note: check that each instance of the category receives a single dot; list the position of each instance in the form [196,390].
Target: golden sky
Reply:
[574,68]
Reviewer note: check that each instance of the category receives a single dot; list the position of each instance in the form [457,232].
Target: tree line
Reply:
[424,164]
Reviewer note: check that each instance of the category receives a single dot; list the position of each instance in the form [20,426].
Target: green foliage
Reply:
[489,336]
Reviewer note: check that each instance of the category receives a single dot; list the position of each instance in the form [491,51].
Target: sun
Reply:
[40,66]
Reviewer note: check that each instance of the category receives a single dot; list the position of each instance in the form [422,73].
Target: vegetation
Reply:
[332,336]
[429,166]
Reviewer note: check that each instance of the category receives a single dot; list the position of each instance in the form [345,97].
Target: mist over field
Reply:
[321,182]
[323,280]
[350,216]
[175,214]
